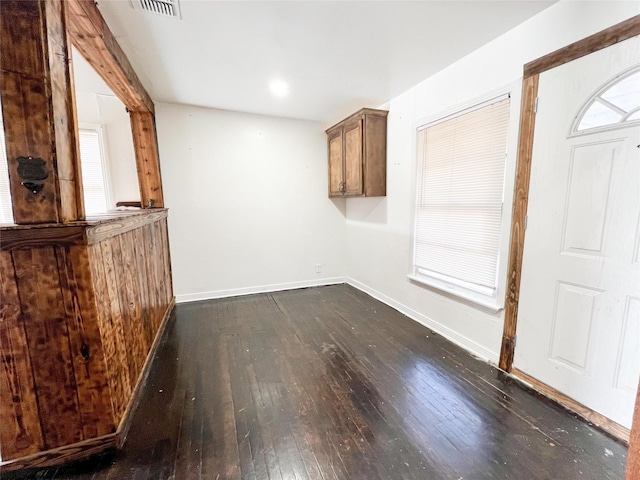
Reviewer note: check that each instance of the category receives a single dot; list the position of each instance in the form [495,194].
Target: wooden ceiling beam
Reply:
[91,35]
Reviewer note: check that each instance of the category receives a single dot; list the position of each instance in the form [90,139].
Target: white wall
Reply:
[378,230]
[247,199]
[247,194]
[110,113]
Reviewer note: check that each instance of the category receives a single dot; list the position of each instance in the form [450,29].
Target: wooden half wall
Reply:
[83,302]
[82,306]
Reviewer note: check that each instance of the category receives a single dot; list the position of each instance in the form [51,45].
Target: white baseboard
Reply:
[277,287]
[460,340]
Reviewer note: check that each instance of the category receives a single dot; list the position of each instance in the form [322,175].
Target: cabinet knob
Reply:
[343,187]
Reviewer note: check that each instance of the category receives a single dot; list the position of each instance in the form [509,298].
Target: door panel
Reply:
[589,185]
[335,163]
[353,158]
[579,315]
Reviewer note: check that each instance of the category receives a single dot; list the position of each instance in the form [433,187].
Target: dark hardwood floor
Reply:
[328,383]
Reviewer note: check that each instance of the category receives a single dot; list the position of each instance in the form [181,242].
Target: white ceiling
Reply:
[337,56]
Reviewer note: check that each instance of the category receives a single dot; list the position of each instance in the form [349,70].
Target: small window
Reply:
[93,174]
[6,213]
[96,198]
[615,103]
[459,200]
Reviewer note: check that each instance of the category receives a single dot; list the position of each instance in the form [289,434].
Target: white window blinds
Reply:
[93,178]
[6,214]
[460,186]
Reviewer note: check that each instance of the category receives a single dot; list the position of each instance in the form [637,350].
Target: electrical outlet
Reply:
[318,267]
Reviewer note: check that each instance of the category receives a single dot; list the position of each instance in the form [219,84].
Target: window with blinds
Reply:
[93,176]
[6,214]
[459,198]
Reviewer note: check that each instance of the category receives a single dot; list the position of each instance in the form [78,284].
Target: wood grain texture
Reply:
[87,232]
[520,205]
[336,165]
[145,145]
[633,457]
[89,368]
[64,112]
[37,104]
[20,431]
[112,341]
[130,271]
[375,151]
[144,287]
[138,391]
[37,236]
[117,225]
[48,345]
[123,361]
[91,35]
[129,306]
[597,419]
[357,148]
[79,319]
[328,383]
[610,36]
[25,466]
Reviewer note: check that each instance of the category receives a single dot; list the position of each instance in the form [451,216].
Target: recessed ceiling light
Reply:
[279,88]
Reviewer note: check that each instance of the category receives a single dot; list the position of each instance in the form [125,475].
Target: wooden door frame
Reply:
[532,70]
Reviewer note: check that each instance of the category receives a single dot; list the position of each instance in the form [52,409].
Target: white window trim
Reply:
[105,160]
[495,302]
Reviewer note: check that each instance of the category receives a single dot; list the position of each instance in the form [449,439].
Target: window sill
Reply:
[483,301]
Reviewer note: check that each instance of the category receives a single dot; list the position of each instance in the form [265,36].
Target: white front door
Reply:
[579,314]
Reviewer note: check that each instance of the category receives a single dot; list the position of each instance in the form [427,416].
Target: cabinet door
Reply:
[353,158]
[335,163]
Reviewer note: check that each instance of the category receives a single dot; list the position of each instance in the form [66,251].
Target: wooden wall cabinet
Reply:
[358,155]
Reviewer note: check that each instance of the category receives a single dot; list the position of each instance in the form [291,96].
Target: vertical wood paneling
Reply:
[116,330]
[163,261]
[20,432]
[84,338]
[129,294]
[167,260]
[144,286]
[130,270]
[48,345]
[78,322]
[119,286]
[152,273]
[112,344]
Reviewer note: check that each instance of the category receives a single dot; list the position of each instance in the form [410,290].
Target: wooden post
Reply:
[633,457]
[38,105]
[520,203]
[145,145]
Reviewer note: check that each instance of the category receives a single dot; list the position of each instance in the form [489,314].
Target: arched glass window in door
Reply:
[616,102]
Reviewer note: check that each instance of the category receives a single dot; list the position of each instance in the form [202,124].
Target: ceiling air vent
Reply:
[167,8]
